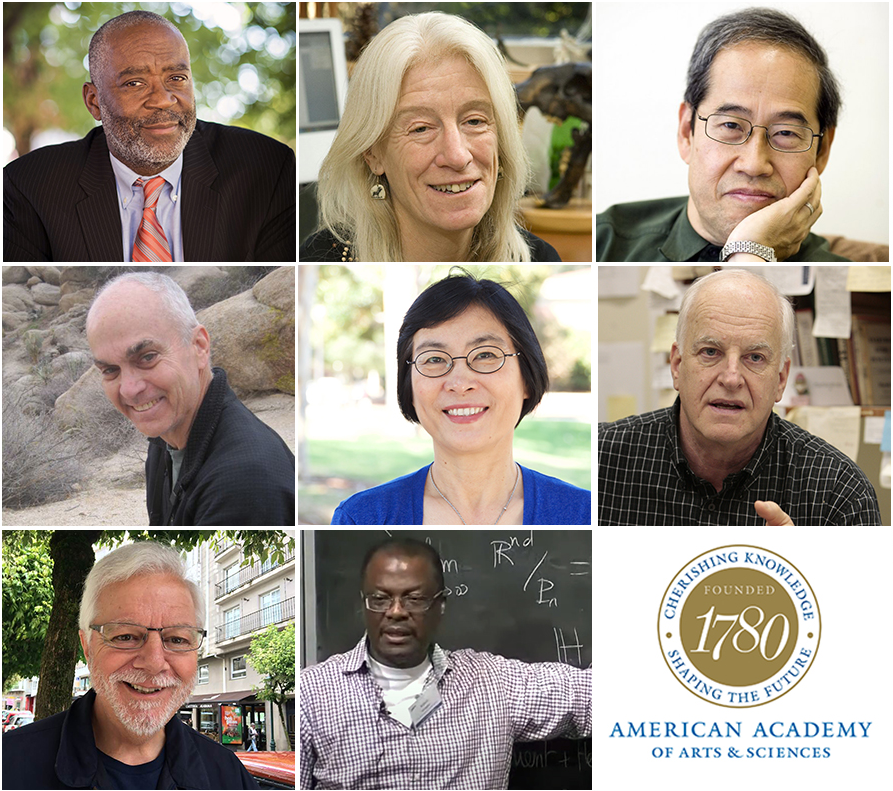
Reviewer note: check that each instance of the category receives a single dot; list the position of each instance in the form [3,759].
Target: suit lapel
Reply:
[98,213]
[200,202]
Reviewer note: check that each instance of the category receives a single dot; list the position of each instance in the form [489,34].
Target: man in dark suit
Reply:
[152,183]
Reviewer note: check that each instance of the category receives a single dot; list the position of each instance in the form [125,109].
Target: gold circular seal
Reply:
[739,626]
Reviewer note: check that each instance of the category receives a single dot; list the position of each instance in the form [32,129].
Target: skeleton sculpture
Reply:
[559,92]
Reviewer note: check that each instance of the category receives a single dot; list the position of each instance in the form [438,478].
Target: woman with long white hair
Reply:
[428,163]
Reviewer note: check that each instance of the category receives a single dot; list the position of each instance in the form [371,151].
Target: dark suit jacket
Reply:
[238,193]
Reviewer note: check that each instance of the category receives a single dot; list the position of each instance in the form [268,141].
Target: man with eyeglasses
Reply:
[398,711]
[755,129]
[141,628]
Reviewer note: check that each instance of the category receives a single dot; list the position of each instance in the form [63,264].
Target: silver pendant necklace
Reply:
[504,508]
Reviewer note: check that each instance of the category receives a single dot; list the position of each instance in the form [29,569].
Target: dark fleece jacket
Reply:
[237,470]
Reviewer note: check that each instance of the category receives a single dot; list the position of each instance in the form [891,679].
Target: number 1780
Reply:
[761,640]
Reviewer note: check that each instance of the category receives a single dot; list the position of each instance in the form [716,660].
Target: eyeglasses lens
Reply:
[484,360]
[384,603]
[129,637]
[782,137]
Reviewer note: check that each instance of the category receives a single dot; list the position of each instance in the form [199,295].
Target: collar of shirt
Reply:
[750,469]
[124,178]
[357,659]
[389,677]
[685,244]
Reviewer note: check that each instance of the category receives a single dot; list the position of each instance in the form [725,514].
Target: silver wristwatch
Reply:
[766,253]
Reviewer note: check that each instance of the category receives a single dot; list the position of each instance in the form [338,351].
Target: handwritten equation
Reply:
[505,551]
[576,755]
[545,588]
[502,553]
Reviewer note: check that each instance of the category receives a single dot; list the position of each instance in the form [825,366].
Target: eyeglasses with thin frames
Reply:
[378,602]
[433,363]
[734,131]
[132,636]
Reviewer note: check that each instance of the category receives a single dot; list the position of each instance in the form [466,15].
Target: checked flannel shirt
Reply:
[644,478]
[348,740]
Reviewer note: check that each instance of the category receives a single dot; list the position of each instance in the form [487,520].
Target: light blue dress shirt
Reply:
[131,199]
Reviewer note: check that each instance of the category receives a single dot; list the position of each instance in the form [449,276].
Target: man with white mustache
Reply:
[141,628]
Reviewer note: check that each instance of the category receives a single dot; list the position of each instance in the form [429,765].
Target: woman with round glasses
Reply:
[470,368]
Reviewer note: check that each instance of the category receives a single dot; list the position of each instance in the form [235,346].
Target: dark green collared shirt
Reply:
[659,230]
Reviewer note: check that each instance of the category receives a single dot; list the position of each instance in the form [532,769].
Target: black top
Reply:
[60,752]
[323,246]
[141,776]
[645,479]
[237,470]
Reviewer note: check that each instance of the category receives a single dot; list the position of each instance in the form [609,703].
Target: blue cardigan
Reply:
[547,501]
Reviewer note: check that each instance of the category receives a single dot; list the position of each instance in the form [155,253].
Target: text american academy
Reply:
[728,730]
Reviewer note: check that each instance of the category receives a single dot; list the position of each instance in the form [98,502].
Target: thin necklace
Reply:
[517,478]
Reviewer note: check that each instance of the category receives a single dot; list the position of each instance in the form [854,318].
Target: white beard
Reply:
[141,717]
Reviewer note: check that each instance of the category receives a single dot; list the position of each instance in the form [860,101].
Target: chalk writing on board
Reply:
[543,755]
[510,552]
[501,549]
[562,645]
[450,566]
[502,553]
[551,601]
[534,570]
[580,572]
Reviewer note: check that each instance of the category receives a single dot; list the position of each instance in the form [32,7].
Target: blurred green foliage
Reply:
[243,64]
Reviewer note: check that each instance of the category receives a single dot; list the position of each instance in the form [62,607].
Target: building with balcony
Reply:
[240,602]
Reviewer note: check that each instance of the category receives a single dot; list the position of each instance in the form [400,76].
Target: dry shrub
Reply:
[41,464]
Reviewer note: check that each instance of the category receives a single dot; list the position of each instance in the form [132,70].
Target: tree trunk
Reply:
[72,554]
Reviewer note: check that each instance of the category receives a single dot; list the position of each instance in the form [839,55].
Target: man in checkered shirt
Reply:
[398,711]
[719,455]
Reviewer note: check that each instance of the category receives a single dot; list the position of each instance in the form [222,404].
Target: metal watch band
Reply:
[766,253]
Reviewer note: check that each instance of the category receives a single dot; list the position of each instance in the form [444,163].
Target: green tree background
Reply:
[272,655]
[43,578]
[243,64]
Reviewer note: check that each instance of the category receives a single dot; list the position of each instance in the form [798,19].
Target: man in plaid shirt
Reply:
[719,455]
[398,711]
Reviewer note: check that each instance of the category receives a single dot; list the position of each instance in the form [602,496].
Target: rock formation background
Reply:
[69,457]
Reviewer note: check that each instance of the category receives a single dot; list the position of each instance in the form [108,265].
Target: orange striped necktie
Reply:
[151,243]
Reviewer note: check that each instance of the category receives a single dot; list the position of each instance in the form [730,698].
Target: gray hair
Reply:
[134,560]
[99,54]
[785,309]
[173,298]
[768,26]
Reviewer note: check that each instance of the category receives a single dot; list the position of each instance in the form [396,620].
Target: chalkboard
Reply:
[523,594]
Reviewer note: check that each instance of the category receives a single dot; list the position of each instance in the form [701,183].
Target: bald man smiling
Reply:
[210,460]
